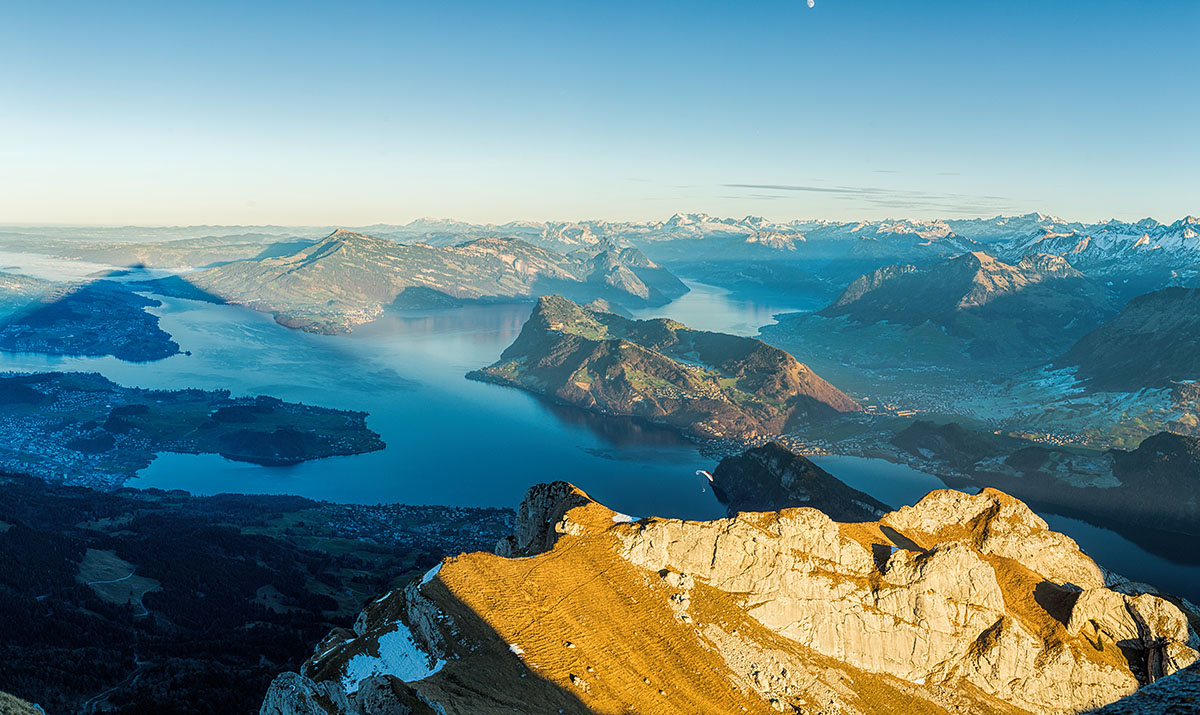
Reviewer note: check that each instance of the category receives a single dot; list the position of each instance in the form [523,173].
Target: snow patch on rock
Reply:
[430,574]
[398,656]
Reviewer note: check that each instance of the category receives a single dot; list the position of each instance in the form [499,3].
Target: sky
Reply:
[352,113]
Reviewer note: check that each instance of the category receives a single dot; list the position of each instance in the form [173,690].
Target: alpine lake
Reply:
[459,442]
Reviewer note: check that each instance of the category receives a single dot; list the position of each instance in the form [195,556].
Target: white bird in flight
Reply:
[812,3]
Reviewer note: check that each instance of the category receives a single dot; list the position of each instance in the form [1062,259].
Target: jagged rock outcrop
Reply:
[537,519]
[960,603]
[772,477]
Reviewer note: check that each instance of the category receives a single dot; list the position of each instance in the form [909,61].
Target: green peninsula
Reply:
[91,319]
[81,428]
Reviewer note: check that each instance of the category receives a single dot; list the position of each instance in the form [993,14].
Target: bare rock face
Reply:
[960,603]
[1145,623]
[1004,527]
[538,516]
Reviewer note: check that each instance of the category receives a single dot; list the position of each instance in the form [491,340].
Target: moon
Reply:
[812,3]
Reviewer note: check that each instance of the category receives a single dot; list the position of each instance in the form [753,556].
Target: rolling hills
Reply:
[93,319]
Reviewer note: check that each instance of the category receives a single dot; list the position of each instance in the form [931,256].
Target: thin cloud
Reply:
[786,187]
[887,198]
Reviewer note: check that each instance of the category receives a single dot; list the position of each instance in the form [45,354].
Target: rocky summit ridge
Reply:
[960,603]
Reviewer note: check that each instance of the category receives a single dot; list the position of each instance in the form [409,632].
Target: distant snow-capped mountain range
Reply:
[1098,245]
[1113,249]
[1021,231]
[1105,246]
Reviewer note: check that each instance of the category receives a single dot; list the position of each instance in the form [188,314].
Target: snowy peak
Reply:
[1115,246]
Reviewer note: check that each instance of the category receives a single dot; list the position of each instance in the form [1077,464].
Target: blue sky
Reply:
[355,113]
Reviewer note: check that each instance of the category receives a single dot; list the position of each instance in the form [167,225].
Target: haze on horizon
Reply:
[378,112]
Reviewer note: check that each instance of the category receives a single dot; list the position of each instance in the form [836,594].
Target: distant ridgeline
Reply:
[747,255]
[350,278]
[712,384]
[82,428]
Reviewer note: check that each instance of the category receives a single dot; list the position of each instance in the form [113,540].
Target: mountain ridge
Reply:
[349,278]
[772,477]
[1153,342]
[960,603]
[1040,303]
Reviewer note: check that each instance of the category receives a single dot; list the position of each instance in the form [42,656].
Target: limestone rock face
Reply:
[538,516]
[960,603]
[1144,622]
[1006,527]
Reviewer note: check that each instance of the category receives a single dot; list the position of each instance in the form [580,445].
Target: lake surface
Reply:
[450,440]
[455,441]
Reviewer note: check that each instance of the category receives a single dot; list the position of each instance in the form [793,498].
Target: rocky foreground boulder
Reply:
[961,603]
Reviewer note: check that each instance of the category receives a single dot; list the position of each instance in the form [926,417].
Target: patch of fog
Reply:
[623,518]
[49,267]
[398,656]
